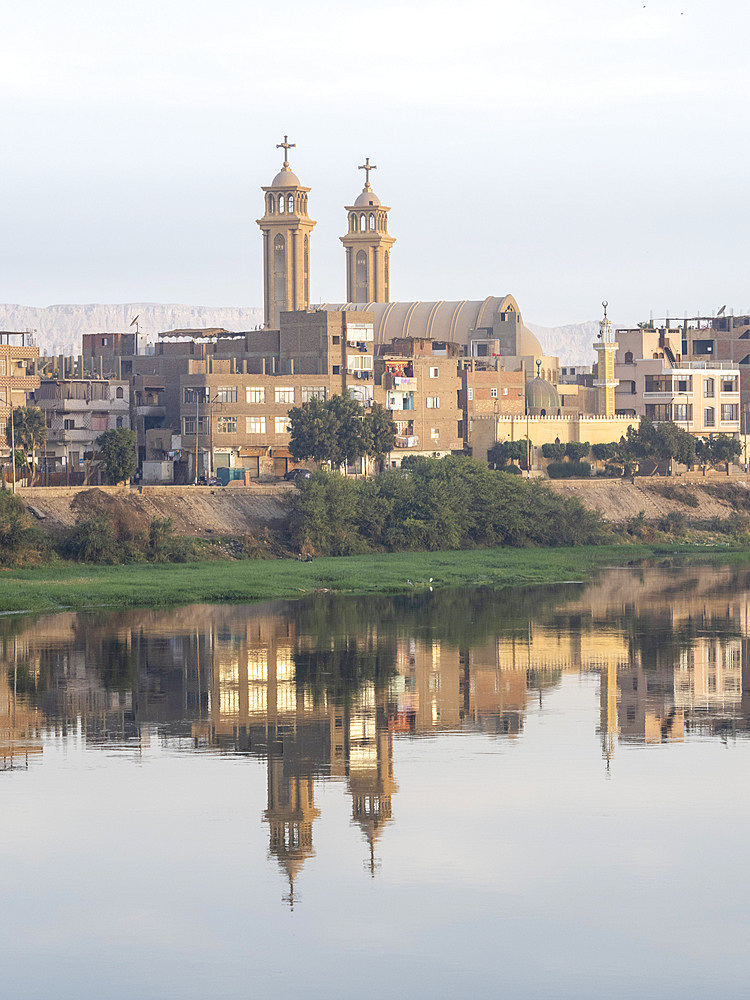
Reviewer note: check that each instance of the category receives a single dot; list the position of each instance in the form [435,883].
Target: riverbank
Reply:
[60,586]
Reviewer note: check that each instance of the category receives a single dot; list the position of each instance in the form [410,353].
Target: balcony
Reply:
[406,441]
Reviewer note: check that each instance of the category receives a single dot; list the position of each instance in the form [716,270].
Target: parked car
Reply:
[295,474]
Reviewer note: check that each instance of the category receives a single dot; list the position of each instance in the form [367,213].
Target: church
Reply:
[494,325]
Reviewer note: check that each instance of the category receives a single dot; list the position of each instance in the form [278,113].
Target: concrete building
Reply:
[77,411]
[17,355]
[701,396]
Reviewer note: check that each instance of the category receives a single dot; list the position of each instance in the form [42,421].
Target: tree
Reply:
[30,432]
[554,450]
[382,431]
[577,450]
[717,448]
[118,455]
[661,443]
[503,452]
[339,431]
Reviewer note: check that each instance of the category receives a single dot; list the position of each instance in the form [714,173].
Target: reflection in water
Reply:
[318,689]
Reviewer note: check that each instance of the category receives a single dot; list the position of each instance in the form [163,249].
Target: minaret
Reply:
[368,246]
[605,382]
[286,229]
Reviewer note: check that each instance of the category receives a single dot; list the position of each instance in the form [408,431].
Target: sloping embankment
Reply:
[195,510]
[697,499]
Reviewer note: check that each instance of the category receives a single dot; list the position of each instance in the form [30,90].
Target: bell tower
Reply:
[606,351]
[368,246]
[286,229]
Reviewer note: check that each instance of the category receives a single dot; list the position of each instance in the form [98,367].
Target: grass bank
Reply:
[57,586]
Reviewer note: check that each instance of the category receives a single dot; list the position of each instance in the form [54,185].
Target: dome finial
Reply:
[286,146]
[605,304]
[367,167]
[538,369]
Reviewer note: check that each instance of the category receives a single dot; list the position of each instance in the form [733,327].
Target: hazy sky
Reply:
[563,152]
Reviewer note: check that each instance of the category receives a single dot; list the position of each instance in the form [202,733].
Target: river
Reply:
[535,793]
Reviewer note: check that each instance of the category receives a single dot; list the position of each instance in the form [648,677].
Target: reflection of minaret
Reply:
[370,767]
[290,814]
[608,708]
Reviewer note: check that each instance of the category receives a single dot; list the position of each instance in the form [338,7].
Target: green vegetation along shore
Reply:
[58,586]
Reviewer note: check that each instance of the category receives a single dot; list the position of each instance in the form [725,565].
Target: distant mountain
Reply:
[58,329]
[572,344]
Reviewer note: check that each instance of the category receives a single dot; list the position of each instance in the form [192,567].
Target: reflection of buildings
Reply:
[324,690]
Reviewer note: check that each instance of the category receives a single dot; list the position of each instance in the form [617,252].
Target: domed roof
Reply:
[541,395]
[367,198]
[285,179]
[527,344]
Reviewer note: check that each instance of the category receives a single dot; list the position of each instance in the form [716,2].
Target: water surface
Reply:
[538,793]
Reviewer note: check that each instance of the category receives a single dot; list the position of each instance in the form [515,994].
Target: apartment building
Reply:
[701,396]
[17,356]
[77,411]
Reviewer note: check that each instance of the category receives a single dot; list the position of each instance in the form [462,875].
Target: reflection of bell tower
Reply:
[286,229]
[368,246]
[290,814]
[370,768]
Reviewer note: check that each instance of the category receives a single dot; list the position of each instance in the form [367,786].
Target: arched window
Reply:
[353,221]
[281,203]
[271,204]
[119,392]
[290,203]
[628,357]
[361,276]
[372,222]
[363,222]
[279,268]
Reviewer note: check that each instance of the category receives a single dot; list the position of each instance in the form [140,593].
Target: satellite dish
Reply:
[721,311]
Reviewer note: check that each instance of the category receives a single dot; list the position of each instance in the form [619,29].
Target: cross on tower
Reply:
[286,146]
[367,168]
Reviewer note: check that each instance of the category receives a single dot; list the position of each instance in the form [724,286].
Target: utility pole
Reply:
[12,448]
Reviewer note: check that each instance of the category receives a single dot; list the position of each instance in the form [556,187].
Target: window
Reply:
[2,366]
[729,411]
[682,412]
[255,394]
[188,425]
[290,203]
[226,425]
[433,402]
[285,395]
[281,425]
[119,392]
[363,223]
[335,339]
[471,393]
[708,388]
[271,204]
[505,391]
[729,385]
[435,433]
[281,203]
[335,369]
[434,372]
[353,219]
[359,362]
[68,425]
[628,359]
[684,385]
[372,223]
[255,425]
[493,393]
[119,421]
[196,394]
[709,417]
[313,392]
[226,394]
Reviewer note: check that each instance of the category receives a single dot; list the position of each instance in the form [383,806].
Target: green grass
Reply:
[55,586]
[62,585]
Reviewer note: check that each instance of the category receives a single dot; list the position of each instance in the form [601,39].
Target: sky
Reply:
[563,153]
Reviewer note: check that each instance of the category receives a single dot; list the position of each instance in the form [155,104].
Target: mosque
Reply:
[494,324]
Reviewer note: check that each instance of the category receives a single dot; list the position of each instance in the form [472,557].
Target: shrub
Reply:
[21,541]
[569,470]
